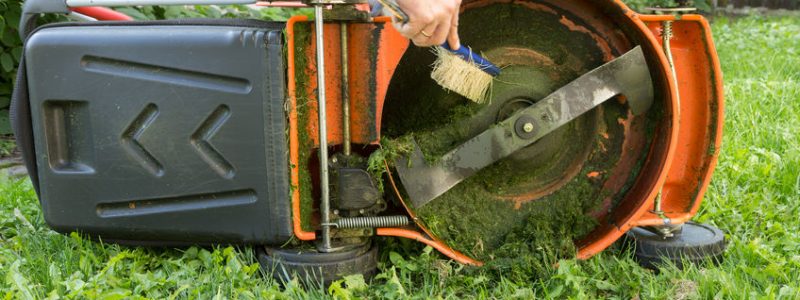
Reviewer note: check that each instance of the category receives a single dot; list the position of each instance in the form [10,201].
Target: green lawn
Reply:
[754,196]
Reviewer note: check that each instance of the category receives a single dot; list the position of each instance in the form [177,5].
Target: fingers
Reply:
[434,33]
[427,36]
[420,16]
[431,22]
[452,37]
[440,36]
[415,27]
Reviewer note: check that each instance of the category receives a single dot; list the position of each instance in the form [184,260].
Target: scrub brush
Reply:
[461,70]
[464,72]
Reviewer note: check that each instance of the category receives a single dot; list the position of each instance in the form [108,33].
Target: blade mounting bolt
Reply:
[524,127]
[528,127]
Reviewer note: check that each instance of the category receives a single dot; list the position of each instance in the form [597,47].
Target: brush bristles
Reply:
[465,78]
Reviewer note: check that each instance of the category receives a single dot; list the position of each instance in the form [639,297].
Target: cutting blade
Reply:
[626,75]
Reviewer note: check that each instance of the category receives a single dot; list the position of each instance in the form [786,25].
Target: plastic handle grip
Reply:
[466,53]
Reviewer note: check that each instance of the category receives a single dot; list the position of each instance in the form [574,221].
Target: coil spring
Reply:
[667,29]
[371,222]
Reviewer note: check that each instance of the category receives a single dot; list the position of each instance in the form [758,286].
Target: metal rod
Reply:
[666,36]
[324,205]
[345,90]
[666,43]
[657,206]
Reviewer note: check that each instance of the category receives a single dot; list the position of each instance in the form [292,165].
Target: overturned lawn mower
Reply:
[184,132]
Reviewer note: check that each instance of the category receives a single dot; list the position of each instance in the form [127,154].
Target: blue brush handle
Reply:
[466,53]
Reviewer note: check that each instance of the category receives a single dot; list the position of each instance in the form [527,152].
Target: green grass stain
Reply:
[302,36]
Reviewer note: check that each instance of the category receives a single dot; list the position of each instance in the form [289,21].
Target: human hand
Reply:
[430,22]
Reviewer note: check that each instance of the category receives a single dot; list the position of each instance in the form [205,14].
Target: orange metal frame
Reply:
[365,124]
[696,129]
[681,166]
[294,139]
[701,114]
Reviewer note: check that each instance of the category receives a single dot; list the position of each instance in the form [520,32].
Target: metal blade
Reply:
[627,75]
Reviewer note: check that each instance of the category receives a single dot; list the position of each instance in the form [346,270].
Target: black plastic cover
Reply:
[161,133]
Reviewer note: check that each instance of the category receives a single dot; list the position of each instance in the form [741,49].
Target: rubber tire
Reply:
[695,244]
[316,268]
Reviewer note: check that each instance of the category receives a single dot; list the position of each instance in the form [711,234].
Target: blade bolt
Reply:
[524,127]
[528,127]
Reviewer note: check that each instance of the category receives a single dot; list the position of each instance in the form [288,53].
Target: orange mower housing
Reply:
[679,163]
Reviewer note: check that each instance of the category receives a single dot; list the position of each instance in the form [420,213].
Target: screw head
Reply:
[524,127]
[527,127]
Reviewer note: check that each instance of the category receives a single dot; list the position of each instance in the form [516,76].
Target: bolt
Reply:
[666,232]
[334,160]
[527,127]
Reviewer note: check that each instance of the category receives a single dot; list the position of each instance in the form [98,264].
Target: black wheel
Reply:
[313,267]
[694,243]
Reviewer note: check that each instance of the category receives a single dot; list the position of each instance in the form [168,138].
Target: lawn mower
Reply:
[309,137]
